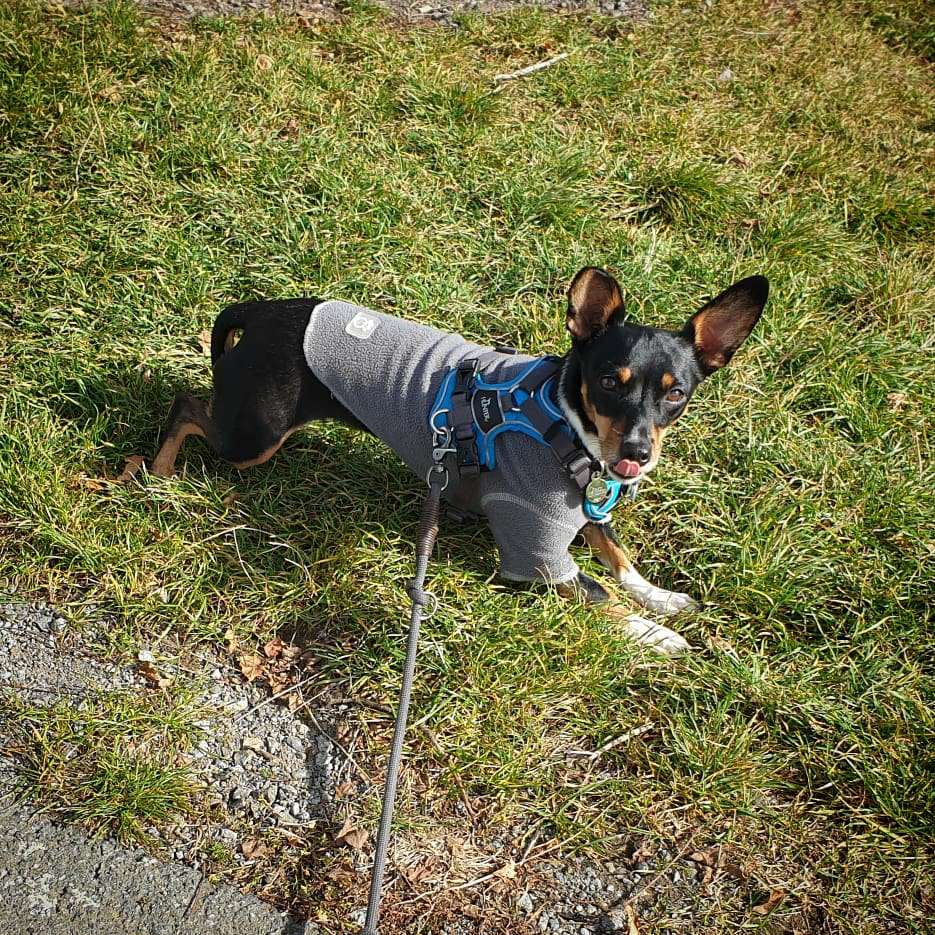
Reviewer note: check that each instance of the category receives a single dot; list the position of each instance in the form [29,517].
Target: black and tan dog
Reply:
[621,386]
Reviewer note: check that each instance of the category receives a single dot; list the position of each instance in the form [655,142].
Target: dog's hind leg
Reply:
[188,416]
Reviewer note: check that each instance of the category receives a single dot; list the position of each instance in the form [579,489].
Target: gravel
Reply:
[440,12]
[260,763]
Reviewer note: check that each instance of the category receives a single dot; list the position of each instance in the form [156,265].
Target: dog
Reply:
[612,398]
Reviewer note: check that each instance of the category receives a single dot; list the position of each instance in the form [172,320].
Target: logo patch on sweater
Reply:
[487,412]
[361,326]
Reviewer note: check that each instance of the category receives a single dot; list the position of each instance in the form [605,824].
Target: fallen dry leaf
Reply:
[253,848]
[646,850]
[343,875]
[264,62]
[278,683]
[204,341]
[708,857]
[351,835]
[632,926]
[345,789]
[130,468]
[230,499]
[92,483]
[251,665]
[420,871]
[507,871]
[895,401]
[775,898]
[274,648]
[152,675]
[290,653]
[230,640]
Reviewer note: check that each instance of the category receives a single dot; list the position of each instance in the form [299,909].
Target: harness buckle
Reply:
[467,370]
[468,465]
[578,466]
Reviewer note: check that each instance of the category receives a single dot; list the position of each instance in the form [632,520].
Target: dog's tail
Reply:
[230,319]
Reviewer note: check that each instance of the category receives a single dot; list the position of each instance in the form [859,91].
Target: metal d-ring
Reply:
[444,430]
[428,614]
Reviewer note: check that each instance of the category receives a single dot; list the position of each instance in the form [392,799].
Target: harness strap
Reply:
[462,421]
[575,460]
[578,465]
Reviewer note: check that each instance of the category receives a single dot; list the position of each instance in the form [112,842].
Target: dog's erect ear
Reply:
[721,326]
[594,299]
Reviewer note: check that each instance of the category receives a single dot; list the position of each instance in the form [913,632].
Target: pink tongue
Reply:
[627,468]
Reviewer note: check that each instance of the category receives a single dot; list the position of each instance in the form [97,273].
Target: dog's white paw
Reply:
[656,636]
[658,600]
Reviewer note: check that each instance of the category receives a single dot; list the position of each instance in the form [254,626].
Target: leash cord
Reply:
[428,531]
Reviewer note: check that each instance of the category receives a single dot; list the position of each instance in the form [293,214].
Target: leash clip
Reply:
[437,475]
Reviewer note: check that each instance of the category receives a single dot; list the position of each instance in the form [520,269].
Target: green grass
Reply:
[111,762]
[151,176]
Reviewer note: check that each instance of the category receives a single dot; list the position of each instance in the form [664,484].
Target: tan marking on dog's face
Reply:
[658,434]
[603,424]
[668,381]
[624,374]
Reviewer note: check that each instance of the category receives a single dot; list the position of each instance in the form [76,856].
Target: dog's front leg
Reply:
[654,635]
[601,538]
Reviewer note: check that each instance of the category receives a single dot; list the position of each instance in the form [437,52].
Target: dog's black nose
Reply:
[635,452]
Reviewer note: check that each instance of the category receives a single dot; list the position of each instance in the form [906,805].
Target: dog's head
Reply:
[624,385]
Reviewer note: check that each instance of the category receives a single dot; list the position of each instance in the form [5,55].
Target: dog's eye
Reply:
[609,383]
[675,396]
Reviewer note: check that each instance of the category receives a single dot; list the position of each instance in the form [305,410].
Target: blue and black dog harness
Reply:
[469,414]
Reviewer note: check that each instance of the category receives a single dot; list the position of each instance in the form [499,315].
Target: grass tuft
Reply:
[112,763]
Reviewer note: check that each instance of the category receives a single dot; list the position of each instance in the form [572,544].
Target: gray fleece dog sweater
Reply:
[387,372]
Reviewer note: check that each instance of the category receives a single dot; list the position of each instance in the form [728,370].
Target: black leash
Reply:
[428,530]
[456,438]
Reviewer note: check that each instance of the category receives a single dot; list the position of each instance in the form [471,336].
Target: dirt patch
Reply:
[437,11]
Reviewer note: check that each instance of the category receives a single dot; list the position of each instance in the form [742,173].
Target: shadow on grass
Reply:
[334,500]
